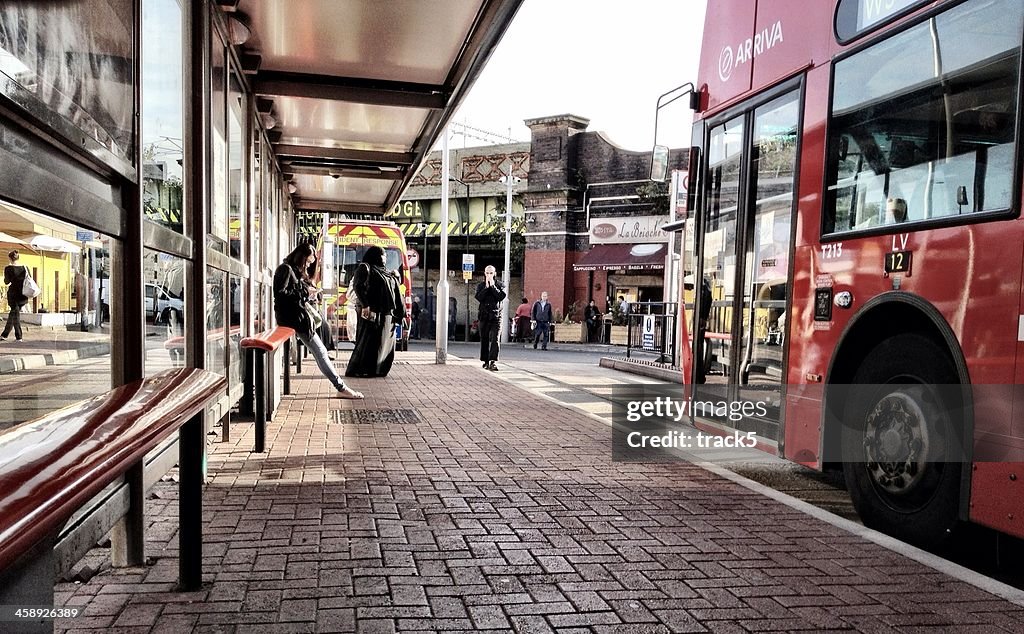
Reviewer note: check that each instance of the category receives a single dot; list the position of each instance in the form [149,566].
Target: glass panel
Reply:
[63,355]
[162,112]
[718,256]
[236,295]
[766,268]
[924,123]
[76,59]
[236,191]
[218,117]
[165,311]
[256,261]
[216,339]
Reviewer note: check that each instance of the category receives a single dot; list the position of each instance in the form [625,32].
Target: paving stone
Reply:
[497,509]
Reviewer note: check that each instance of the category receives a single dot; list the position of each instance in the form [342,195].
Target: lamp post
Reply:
[509,181]
[465,232]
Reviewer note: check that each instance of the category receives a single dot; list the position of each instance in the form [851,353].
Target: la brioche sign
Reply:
[628,230]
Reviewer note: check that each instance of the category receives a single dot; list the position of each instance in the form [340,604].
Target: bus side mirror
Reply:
[659,163]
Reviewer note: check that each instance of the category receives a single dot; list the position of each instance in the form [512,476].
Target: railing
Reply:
[653,327]
[260,349]
[55,465]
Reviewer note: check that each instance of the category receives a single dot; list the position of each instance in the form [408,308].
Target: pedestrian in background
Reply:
[593,318]
[14,277]
[490,294]
[295,299]
[414,332]
[523,313]
[453,317]
[543,316]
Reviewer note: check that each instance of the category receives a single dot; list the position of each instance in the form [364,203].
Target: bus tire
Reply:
[900,441]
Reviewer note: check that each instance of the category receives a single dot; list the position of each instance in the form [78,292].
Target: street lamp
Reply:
[509,181]
[465,232]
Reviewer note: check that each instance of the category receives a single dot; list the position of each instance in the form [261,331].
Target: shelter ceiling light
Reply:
[238,28]
[268,121]
[292,188]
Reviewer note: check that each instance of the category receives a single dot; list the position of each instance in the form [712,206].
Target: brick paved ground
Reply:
[500,510]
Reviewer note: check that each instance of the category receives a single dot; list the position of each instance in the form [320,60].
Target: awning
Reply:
[42,242]
[630,257]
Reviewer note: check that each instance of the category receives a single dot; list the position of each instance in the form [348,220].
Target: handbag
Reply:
[314,316]
[29,288]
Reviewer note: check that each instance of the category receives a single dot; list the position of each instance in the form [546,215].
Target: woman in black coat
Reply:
[14,277]
[381,310]
[293,291]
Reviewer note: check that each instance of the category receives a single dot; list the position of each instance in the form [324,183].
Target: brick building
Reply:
[576,191]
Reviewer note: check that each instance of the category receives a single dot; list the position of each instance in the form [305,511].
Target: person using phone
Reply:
[490,294]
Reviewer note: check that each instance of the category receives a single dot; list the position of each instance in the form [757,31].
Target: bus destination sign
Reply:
[856,17]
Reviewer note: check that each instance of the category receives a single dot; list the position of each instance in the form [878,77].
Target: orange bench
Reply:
[262,347]
[54,465]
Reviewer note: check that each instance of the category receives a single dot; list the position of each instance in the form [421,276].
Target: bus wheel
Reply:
[900,441]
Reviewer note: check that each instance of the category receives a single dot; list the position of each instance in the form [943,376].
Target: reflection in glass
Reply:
[924,123]
[216,336]
[165,311]
[75,59]
[162,112]
[236,199]
[64,354]
[236,292]
[766,271]
[218,118]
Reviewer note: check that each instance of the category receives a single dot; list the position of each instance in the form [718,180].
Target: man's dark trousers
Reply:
[489,339]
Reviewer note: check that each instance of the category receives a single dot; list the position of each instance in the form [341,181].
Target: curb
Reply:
[642,369]
[61,357]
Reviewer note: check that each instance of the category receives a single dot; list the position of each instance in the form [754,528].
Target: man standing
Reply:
[414,332]
[490,295]
[542,315]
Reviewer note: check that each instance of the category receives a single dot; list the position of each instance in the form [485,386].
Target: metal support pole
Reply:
[190,504]
[506,275]
[287,366]
[261,400]
[441,350]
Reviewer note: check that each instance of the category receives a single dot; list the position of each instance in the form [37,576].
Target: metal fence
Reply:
[653,327]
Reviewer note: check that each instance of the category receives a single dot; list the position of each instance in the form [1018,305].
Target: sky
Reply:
[603,60]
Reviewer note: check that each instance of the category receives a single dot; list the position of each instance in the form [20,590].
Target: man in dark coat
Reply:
[543,316]
[490,294]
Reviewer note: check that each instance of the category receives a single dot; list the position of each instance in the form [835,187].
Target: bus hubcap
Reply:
[896,440]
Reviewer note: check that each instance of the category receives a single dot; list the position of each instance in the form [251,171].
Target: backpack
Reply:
[29,288]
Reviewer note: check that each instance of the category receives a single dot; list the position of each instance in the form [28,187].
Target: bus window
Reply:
[925,117]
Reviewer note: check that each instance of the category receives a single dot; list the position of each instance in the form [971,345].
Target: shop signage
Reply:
[628,230]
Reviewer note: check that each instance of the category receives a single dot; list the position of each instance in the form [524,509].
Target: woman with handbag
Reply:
[381,309]
[14,277]
[295,307]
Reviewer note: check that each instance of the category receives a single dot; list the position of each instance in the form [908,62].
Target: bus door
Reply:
[747,223]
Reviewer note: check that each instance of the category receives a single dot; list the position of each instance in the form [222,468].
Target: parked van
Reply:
[160,305]
[350,240]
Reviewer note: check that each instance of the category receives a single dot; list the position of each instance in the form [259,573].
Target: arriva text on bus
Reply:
[747,50]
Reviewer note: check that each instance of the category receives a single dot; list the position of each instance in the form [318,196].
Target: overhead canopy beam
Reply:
[352,89]
[344,172]
[328,206]
[284,151]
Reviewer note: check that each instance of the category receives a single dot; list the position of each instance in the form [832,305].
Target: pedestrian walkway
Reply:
[451,499]
[50,346]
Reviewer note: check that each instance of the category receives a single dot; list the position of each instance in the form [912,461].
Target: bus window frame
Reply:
[877,26]
[1011,212]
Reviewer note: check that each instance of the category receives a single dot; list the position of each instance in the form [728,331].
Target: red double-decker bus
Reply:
[856,192]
